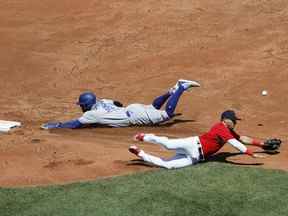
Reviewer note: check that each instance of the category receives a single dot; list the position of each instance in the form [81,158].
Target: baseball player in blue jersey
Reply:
[112,113]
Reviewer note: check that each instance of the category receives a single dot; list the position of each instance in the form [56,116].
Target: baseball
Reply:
[264,92]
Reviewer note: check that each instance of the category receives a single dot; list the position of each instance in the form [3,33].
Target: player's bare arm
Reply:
[270,144]
[243,149]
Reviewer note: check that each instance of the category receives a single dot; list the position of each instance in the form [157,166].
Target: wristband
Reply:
[248,152]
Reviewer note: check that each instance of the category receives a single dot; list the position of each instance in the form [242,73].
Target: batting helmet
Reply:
[86,101]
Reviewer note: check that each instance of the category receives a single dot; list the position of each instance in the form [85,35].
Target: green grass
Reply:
[207,189]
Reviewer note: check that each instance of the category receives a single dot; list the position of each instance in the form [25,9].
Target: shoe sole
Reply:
[191,82]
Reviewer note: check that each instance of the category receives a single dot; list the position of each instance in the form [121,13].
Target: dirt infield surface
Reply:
[132,51]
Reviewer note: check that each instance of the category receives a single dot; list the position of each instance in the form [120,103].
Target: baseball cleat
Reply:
[187,85]
[139,137]
[134,150]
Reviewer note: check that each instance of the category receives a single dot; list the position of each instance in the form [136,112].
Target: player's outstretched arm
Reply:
[250,141]
[272,144]
[243,149]
[73,124]
[118,103]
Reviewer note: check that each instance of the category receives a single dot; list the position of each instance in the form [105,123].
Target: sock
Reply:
[173,100]
[159,101]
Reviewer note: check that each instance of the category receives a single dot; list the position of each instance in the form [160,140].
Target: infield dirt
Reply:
[132,51]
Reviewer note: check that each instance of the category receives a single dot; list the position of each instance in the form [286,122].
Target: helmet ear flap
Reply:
[83,108]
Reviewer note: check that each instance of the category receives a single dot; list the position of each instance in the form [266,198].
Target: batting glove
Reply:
[51,125]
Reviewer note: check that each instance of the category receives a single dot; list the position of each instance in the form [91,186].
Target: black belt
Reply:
[201,156]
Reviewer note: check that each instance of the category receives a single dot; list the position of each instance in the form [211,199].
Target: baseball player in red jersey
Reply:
[192,150]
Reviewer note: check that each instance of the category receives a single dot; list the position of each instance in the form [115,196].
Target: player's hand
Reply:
[51,125]
[258,156]
[139,137]
[118,103]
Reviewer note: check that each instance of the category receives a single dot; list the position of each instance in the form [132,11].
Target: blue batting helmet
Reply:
[86,101]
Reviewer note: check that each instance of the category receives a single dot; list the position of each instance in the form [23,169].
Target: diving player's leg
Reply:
[176,92]
[186,84]
[173,101]
[188,146]
[170,144]
[159,101]
[177,161]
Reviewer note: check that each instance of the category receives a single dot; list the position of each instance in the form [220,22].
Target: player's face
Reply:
[230,124]
[84,108]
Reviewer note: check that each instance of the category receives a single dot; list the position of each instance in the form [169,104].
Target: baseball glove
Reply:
[272,144]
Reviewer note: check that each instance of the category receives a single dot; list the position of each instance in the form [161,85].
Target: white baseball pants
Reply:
[188,151]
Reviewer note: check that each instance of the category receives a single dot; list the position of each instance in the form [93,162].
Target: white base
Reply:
[5,126]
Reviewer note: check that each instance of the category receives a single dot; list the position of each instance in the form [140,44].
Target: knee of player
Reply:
[168,166]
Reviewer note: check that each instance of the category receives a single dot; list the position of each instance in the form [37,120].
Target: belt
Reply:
[201,155]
